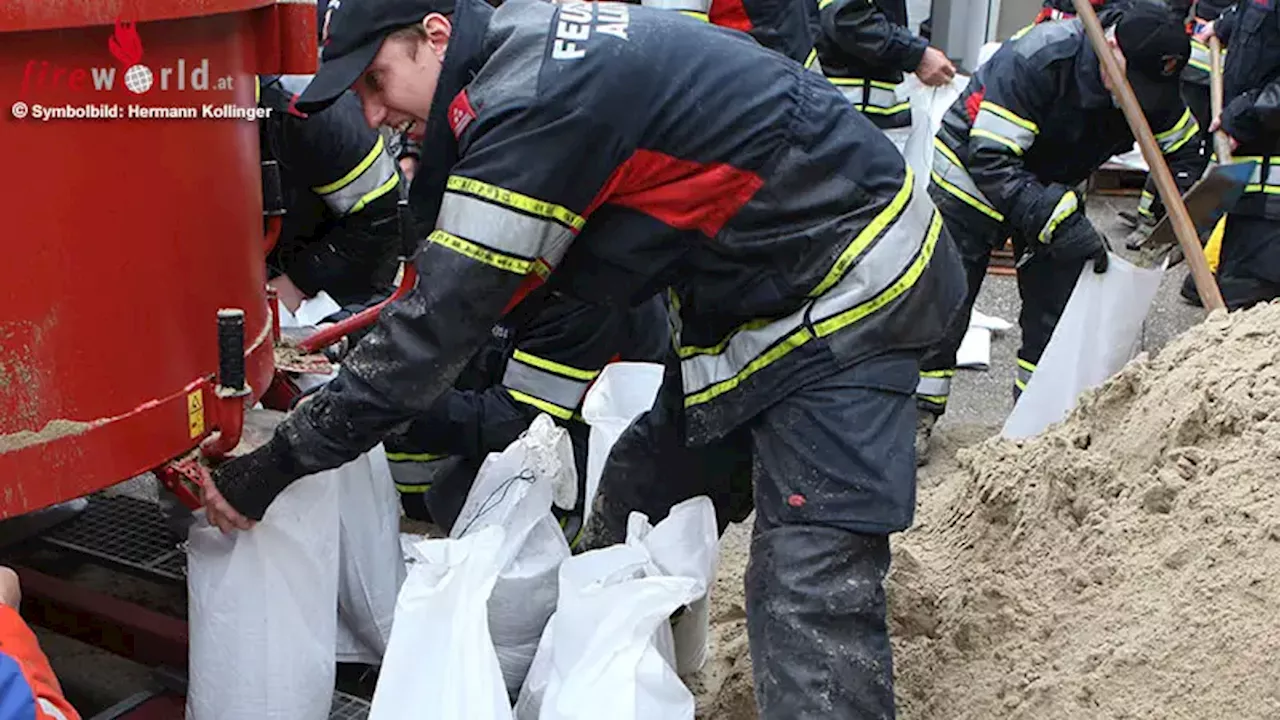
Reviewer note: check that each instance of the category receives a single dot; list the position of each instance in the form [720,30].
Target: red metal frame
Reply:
[362,319]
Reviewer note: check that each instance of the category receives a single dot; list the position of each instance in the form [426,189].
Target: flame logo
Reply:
[125,44]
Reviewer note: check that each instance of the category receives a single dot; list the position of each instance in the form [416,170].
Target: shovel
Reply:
[1207,201]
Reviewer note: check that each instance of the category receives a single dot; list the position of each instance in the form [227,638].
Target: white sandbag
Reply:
[621,393]
[928,105]
[604,660]
[440,663]
[513,490]
[685,544]
[371,567]
[1100,331]
[263,609]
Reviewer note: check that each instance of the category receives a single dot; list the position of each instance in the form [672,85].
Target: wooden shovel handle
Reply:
[1183,228]
[1221,145]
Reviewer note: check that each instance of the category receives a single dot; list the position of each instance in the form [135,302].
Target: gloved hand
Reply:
[239,490]
[1077,240]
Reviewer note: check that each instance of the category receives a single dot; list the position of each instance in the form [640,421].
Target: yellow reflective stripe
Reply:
[1019,383]
[938,373]
[355,172]
[1009,115]
[967,199]
[1180,134]
[891,293]
[695,15]
[516,265]
[413,489]
[978,132]
[824,3]
[869,233]
[554,367]
[688,351]
[376,193]
[414,457]
[513,199]
[1023,31]
[1026,365]
[813,57]
[1067,204]
[883,85]
[831,325]
[935,399]
[543,405]
[892,110]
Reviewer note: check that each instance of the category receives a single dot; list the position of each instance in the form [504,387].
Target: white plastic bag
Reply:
[1100,331]
[604,659]
[513,491]
[928,105]
[623,391]
[685,544]
[263,610]
[440,663]
[371,567]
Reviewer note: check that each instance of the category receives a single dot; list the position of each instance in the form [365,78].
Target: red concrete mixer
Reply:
[134,320]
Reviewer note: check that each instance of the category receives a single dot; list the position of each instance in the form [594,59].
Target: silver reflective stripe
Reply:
[874,270]
[878,100]
[1177,136]
[375,177]
[954,177]
[50,709]
[1001,125]
[499,228]
[1145,202]
[698,6]
[1067,204]
[933,386]
[1200,59]
[1256,183]
[558,390]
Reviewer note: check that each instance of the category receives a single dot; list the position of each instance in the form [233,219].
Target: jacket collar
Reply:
[462,61]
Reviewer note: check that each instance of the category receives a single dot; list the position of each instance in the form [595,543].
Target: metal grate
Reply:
[126,531]
[348,707]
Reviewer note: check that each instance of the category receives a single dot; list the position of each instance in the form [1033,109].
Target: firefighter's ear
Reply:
[438,30]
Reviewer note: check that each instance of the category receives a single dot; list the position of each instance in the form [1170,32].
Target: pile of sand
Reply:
[1125,564]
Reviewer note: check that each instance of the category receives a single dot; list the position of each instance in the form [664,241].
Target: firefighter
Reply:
[1249,265]
[616,151]
[340,186]
[1036,121]
[1191,166]
[864,47]
[541,358]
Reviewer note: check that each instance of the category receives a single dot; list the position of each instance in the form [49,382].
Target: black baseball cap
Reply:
[355,32]
[1156,49]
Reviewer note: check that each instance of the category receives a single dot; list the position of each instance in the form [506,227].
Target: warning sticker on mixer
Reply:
[195,413]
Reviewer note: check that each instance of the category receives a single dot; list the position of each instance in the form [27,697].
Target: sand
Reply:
[1124,564]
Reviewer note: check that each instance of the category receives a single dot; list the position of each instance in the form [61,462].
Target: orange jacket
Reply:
[28,688]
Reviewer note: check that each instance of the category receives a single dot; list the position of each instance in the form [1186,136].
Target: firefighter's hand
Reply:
[219,512]
[241,489]
[1205,32]
[935,69]
[1076,240]
[10,588]
[1216,126]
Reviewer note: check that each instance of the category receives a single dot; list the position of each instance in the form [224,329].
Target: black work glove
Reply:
[1076,240]
[251,482]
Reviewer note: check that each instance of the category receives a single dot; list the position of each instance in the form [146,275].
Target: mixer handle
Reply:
[231,350]
[408,236]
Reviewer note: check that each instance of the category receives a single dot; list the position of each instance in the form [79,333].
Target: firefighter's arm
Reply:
[859,28]
[513,202]
[25,674]
[555,359]
[347,164]
[1005,125]
[1175,135]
